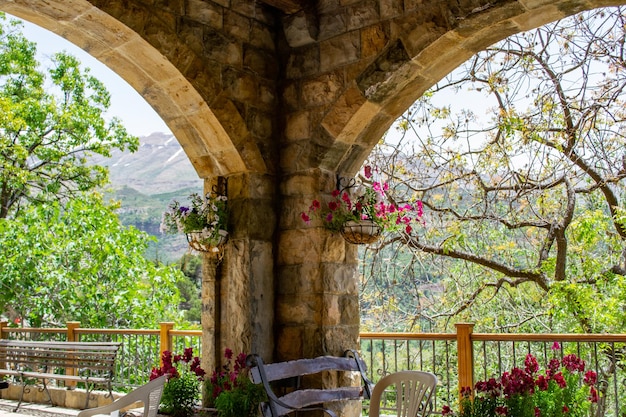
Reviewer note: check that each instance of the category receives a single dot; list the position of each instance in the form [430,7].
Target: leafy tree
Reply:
[524,184]
[64,254]
[49,125]
[77,262]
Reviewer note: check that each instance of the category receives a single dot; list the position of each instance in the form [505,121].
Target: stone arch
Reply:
[202,136]
[419,58]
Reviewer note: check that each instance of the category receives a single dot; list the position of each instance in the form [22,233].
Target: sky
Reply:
[136,114]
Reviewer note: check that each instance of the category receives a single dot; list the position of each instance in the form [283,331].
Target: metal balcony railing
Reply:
[458,359]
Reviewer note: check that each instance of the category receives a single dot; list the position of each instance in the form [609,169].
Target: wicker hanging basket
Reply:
[201,241]
[360,232]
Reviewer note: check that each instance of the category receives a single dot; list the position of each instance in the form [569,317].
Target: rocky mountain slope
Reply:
[146,181]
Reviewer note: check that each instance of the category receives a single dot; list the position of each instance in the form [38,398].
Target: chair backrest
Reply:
[410,397]
[148,394]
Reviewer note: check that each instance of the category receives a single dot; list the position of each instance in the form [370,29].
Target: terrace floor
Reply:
[37,410]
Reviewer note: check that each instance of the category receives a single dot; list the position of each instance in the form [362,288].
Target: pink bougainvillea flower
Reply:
[336,193]
[593,395]
[367,170]
[556,346]
[333,205]
[315,205]
[305,217]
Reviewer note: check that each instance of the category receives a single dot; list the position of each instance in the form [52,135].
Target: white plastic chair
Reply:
[149,394]
[413,393]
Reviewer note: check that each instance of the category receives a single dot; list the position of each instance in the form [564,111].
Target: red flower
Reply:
[531,365]
[560,380]
[593,395]
[573,363]
[590,378]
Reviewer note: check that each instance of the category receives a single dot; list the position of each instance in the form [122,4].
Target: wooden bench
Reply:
[90,363]
[293,385]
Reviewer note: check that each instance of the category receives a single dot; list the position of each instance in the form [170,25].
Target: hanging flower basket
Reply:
[360,232]
[202,241]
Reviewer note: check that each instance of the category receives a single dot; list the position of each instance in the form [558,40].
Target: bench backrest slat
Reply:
[97,358]
[296,397]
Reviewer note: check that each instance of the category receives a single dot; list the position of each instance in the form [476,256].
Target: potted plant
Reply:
[363,214]
[564,388]
[182,389]
[203,220]
[230,391]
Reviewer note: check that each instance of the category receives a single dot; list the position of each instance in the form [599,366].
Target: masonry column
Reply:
[247,276]
[317,293]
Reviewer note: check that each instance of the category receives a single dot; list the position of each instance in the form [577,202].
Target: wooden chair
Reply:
[410,397]
[149,394]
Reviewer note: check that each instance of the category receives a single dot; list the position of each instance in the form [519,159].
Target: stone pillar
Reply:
[317,292]
[210,310]
[246,297]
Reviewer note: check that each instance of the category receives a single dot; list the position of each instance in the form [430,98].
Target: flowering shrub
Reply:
[564,389]
[182,389]
[207,215]
[230,390]
[370,203]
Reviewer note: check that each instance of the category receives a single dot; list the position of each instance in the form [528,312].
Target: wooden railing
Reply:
[458,359]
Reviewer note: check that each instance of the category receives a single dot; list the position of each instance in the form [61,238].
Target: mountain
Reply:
[145,182]
[159,166]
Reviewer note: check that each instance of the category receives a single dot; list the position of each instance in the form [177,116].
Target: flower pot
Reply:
[360,232]
[202,241]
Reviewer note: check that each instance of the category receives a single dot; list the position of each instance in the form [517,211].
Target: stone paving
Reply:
[37,410]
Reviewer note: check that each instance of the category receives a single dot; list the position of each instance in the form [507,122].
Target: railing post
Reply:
[71,336]
[3,324]
[466,354]
[165,338]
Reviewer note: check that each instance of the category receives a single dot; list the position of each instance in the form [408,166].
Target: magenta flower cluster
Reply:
[527,393]
[371,204]
[229,377]
[171,363]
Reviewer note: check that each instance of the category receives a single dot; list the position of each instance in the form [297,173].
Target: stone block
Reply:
[340,50]
[300,29]
[262,36]
[321,90]
[260,123]
[299,309]
[261,62]
[297,126]
[362,14]
[206,13]
[250,186]
[390,8]
[331,312]
[344,109]
[297,279]
[289,341]
[340,278]
[373,40]
[332,24]
[303,62]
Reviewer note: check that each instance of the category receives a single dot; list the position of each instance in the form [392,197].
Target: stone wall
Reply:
[278,102]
